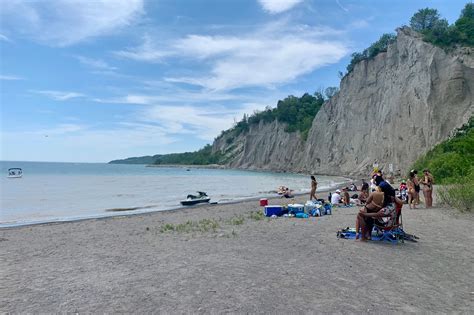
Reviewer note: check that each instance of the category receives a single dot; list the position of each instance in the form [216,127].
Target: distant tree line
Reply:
[434,29]
[203,156]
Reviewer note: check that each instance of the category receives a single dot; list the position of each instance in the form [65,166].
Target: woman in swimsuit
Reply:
[416,182]
[314,185]
[411,191]
[363,221]
[428,188]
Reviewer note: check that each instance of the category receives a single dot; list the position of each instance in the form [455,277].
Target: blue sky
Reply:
[92,81]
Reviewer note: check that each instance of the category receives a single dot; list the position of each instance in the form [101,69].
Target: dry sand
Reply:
[284,265]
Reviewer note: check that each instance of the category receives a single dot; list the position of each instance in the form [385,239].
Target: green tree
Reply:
[424,19]
[465,25]
[331,91]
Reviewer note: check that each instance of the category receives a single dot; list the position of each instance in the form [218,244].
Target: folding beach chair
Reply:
[393,230]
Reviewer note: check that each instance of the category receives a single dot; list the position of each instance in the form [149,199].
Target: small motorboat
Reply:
[193,199]
[15,172]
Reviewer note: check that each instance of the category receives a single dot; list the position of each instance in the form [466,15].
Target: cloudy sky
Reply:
[96,80]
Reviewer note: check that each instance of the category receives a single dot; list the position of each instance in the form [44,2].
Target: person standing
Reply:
[411,191]
[416,182]
[428,188]
[314,186]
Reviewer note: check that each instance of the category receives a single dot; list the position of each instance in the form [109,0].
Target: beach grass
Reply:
[204,225]
[256,215]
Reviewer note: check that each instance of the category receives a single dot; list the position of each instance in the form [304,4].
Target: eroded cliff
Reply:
[390,109]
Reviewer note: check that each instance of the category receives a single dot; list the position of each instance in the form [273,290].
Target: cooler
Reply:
[263,202]
[295,208]
[273,210]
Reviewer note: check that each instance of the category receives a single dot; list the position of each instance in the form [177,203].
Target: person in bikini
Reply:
[411,191]
[314,186]
[417,187]
[385,215]
[428,188]
[364,221]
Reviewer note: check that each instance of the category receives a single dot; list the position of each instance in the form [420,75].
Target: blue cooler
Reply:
[295,208]
[273,210]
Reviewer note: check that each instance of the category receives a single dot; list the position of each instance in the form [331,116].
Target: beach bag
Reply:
[327,209]
[301,215]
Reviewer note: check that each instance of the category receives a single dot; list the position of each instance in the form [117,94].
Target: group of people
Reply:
[379,199]
[413,188]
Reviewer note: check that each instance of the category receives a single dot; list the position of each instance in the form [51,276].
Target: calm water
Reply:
[68,191]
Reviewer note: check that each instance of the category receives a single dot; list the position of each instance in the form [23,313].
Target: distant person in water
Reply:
[314,186]
[428,188]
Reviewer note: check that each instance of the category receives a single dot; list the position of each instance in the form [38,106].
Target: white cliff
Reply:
[390,109]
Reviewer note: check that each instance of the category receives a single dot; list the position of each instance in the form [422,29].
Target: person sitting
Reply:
[345,197]
[383,216]
[353,187]
[336,198]
[287,193]
[364,220]
[281,190]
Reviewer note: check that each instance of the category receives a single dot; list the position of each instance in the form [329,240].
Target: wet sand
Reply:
[240,265]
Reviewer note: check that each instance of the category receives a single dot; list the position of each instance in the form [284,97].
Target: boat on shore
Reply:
[190,200]
[15,172]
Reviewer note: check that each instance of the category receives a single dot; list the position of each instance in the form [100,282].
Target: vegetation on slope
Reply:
[452,164]
[297,112]
[434,29]
[438,31]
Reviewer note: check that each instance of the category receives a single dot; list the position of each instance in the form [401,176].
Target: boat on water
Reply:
[195,199]
[15,172]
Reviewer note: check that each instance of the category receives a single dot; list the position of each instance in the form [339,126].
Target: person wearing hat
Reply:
[336,197]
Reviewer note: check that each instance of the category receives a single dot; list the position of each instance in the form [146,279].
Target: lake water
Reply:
[50,192]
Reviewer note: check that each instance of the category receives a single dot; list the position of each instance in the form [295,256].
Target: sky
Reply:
[97,80]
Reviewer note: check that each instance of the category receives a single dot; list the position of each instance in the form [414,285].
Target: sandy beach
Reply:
[230,260]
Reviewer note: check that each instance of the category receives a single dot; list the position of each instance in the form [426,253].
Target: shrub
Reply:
[459,195]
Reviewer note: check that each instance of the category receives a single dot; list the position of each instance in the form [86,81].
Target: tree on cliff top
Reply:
[465,25]
[438,31]
[424,19]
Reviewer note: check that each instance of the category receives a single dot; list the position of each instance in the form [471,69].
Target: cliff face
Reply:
[390,109]
[264,146]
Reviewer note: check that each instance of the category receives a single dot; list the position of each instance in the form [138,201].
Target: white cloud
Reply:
[176,96]
[148,51]
[278,6]
[4,38]
[341,6]
[67,22]
[10,77]
[204,122]
[276,54]
[59,95]
[95,63]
